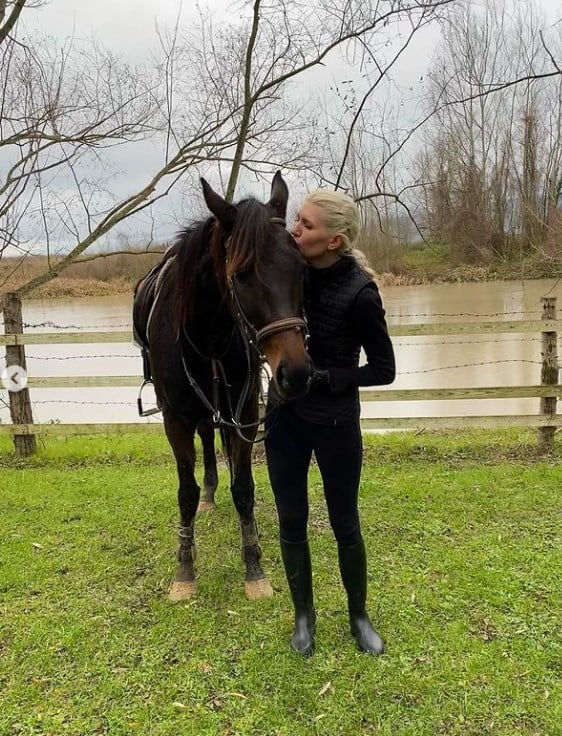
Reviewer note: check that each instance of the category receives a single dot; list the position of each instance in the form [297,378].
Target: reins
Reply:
[213,405]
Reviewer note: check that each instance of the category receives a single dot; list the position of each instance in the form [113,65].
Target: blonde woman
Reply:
[345,313]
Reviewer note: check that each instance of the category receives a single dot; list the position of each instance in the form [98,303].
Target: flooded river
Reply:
[423,362]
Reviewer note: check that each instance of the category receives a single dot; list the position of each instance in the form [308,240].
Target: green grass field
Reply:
[463,533]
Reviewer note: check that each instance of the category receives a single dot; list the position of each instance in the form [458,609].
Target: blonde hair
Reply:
[341,217]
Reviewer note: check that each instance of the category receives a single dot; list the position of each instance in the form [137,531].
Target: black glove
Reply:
[321,378]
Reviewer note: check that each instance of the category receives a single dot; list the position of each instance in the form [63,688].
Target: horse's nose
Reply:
[294,379]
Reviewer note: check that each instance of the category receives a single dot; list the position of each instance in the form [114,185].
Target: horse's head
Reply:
[262,271]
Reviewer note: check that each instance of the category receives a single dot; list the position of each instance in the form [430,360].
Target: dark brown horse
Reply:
[228,292]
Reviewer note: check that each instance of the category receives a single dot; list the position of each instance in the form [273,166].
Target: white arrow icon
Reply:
[14,378]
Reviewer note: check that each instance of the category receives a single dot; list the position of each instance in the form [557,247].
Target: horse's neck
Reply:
[210,326]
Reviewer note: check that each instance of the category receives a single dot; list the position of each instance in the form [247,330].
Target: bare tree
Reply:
[285,42]
[222,96]
[532,223]
[59,109]
[495,86]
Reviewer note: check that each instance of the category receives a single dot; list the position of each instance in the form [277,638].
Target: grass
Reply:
[463,533]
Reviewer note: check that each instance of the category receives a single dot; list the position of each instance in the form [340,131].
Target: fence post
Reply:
[20,403]
[549,372]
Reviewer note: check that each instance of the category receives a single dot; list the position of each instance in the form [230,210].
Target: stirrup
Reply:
[146,412]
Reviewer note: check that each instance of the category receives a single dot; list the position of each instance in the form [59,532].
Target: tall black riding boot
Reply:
[298,569]
[353,568]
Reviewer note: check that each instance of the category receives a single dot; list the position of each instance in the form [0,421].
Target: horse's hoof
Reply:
[206,506]
[182,590]
[255,589]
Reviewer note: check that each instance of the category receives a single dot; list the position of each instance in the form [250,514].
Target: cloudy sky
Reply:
[129,28]
[130,25]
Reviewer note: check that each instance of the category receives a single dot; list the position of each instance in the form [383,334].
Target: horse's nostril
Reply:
[293,380]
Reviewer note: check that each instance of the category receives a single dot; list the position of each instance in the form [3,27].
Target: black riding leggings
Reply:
[289,445]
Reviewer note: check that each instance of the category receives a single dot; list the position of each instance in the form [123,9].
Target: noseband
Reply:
[255,336]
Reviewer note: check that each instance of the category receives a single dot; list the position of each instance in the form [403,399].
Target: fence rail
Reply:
[548,391]
[403,394]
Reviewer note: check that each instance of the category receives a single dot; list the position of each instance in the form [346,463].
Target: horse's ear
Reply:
[279,196]
[221,209]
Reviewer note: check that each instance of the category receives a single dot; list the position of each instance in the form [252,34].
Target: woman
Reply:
[344,313]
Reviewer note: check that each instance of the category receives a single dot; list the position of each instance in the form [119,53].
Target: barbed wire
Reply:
[444,343]
[468,365]
[454,366]
[127,325]
[422,341]
[55,326]
[420,371]
[465,341]
[82,357]
[89,402]
[85,403]
[464,314]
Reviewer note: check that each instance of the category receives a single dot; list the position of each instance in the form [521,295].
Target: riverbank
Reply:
[66,287]
[111,276]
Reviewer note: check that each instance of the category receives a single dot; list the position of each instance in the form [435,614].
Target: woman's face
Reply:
[317,246]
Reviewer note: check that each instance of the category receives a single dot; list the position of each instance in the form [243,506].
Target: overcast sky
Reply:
[129,25]
[129,28]
[125,25]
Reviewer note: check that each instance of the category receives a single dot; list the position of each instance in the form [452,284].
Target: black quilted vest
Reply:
[333,343]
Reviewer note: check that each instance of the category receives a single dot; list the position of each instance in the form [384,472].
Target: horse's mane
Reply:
[230,252]
[188,250]
[250,231]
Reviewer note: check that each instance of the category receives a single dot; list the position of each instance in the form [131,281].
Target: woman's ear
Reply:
[335,242]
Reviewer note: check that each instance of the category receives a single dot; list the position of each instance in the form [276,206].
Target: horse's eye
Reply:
[243,276]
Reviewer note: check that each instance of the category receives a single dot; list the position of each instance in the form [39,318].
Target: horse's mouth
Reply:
[293,388]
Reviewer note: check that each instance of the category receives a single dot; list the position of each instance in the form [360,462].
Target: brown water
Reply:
[423,362]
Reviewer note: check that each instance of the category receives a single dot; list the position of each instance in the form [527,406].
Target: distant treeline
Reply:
[106,273]
[395,264]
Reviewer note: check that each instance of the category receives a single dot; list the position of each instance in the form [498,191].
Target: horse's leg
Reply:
[242,489]
[206,431]
[181,437]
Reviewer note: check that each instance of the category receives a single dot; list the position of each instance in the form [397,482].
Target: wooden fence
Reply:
[546,420]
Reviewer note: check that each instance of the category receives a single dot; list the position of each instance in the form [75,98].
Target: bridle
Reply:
[256,337]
